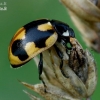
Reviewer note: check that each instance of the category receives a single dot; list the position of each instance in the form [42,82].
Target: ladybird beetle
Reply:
[34,38]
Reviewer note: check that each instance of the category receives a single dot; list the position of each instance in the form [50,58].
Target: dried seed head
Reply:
[76,79]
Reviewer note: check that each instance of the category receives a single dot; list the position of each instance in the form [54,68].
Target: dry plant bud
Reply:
[86,16]
[76,79]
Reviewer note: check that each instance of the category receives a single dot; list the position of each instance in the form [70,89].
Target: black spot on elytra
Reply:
[18,50]
[32,34]
[37,36]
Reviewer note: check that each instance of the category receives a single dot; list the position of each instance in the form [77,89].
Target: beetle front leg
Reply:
[40,65]
[60,54]
[40,68]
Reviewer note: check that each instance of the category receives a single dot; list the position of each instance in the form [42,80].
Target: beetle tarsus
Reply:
[43,84]
[40,65]
[60,54]
[40,68]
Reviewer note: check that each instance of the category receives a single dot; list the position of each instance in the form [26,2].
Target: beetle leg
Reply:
[65,44]
[40,65]
[60,54]
[40,68]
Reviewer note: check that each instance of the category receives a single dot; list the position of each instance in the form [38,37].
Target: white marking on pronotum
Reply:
[66,33]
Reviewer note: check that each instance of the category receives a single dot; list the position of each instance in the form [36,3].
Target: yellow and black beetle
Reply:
[34,38]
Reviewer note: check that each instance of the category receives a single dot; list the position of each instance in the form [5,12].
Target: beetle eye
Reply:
[66,44]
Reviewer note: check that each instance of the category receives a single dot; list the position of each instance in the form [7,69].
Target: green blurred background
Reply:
[18,13]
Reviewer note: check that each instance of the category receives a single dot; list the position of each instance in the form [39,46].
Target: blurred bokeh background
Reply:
[18,13]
